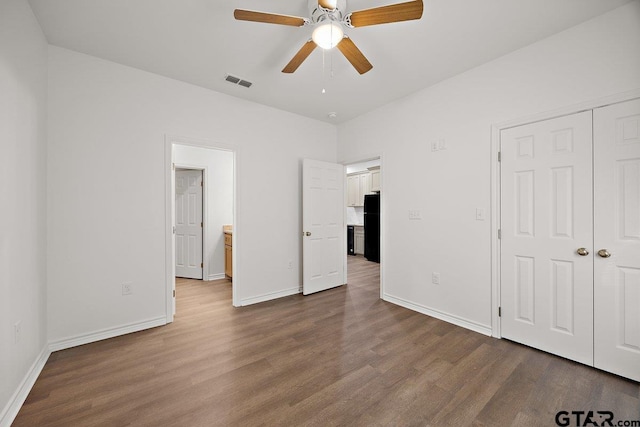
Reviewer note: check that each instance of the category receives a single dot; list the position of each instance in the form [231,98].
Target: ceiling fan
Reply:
[329,18]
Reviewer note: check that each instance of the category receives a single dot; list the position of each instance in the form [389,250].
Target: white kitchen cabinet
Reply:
[375,180]
[358,184]
[358,237]
[353,190]
[365,186]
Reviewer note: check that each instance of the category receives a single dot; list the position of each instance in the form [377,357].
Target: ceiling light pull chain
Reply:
[331,62]
[323,73]
[331,55]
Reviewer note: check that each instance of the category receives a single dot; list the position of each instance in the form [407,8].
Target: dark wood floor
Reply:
[339,357]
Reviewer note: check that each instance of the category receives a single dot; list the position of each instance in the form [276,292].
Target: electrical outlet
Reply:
[127,288]
[434,146]
[290,265]
[435,278]
[17,332]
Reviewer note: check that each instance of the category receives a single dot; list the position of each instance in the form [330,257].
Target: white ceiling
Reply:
[199,41]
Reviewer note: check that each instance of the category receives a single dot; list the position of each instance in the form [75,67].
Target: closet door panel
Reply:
[617,238]
[546,216]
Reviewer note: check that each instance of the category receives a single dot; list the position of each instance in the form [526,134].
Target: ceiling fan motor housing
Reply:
[321,15]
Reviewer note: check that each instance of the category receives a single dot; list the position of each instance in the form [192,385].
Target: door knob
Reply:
[582,251]
[604,253]
[307,233]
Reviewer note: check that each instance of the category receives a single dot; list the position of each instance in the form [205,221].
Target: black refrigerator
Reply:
[372,227]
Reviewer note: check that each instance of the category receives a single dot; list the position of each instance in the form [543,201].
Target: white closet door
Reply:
[189,223]
[617,231]
[546,216]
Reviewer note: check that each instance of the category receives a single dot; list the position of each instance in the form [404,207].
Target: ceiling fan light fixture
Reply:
[327,35]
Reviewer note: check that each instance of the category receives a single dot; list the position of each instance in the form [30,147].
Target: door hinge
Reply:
[201,224]
[499,156]
[201,183]
[201,265]
[174,229]
[174,293]
[499,311]
[499,233]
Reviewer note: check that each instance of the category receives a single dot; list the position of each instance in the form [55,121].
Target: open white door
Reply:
[323,226]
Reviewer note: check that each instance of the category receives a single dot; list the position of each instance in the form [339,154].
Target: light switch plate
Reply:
[480,216]
[415,214]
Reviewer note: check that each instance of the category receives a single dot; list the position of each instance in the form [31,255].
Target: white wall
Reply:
[355,215]
[595,59]
[23,79]
[219,198]
[106,175]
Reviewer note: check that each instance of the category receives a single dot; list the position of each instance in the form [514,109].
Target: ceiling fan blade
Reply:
[353,55]
[299,58]
[327,4]
[268,18]
[387,14]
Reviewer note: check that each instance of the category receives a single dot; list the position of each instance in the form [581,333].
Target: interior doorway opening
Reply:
[188,160]
[364,220]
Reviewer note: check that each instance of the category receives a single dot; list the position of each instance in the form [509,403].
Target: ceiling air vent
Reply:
[237,81]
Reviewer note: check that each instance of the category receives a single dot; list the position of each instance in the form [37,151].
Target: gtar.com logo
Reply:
[591,418]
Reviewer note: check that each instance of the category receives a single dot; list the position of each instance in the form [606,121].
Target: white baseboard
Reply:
[270,296]
[450,318]
[106,333]
[216,276]
[10,411]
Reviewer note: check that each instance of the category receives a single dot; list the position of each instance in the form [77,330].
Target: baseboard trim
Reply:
[450,318]
[270,296]
[10,411]
[106,334]
[216,276]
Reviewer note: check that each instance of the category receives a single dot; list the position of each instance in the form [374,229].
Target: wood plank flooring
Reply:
[339,357]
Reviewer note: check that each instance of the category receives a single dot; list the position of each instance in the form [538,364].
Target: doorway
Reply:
[215,165]
[570,236]
[364,219]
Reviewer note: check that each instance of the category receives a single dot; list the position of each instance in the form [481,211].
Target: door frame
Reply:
[496,197]
[170,140]
[383,216]
[204,170]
